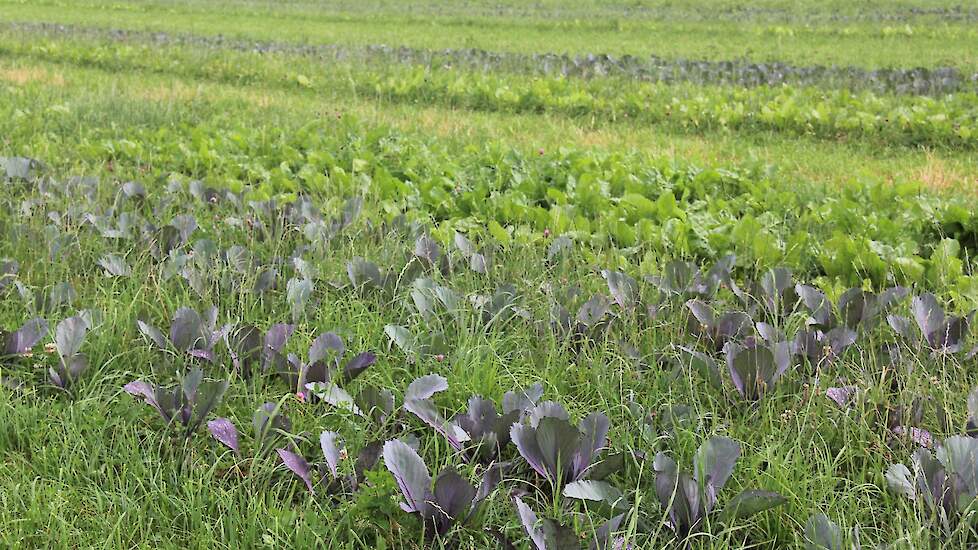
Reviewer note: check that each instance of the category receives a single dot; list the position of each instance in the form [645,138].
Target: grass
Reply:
[93,467]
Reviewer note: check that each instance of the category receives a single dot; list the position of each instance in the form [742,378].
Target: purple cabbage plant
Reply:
[938,331]
[690,498]
[589,324]
[447,501]
[269,423]
[188,403]
[71,363]
[365,276]
[481,433]
[22,340]
[944,482]
[756,367]
[321,374]
[20,343]
[190,333]
[821,533]
[717,330]
[560,451]
[774,294]
[478,260]
[857,308]
[683,280]
[252,351]
[549,534]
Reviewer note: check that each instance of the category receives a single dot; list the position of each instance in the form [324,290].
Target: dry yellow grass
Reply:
[28,75]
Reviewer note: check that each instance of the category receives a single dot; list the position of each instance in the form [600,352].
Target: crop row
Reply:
[949,121]
[643,206]
[917,80]
[739,340]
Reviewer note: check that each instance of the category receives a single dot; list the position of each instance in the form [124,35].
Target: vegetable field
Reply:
[488,274]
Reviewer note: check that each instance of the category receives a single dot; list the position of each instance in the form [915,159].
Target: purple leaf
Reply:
[358,364]
[426,386]
[526,443]
[622,287]
[594,430]
[323,346]
[453,494]
[26,337]
[547,409]
[330,443]
[69,335]
[490,479]
[426,411]
[841,395]
[139,388]
[529,521]
[928,313]
[298,465]
[187,330]
[410,473]
[715,461]
[522,400]
[277,336]
[152,333]
[225,432]
[917,435]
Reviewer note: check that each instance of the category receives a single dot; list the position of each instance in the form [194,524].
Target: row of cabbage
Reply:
[646,209]
[220,247]
[740,72]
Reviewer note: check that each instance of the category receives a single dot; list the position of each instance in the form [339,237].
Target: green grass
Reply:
[93,467]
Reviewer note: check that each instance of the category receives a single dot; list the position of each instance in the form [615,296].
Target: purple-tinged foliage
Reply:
[365,275]
[918,436]
[8,272]
[68,338]
[841,396]
[946,482]
[821,533]
[548,534]
[735,326]
[417,401]
[188,403]
[755,369]
[26,337]
[623,288]
[773,293]
[683,279]
[478,260]
[690,498]
[251,350]
[856,308]
[557,449]
[298,465]
[269,423]
[450,500]
[705,365]
[225,432]
[321,375]
[940,332]
[190,333]
[822,348]
[481,432]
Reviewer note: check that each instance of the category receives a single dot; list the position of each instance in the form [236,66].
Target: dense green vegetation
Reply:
[308,259]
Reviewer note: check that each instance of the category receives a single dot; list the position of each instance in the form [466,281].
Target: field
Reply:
[488,274]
